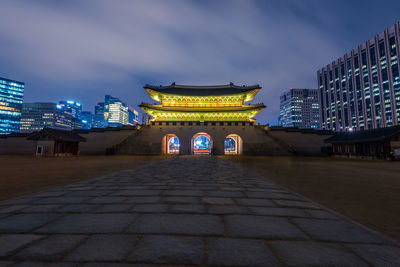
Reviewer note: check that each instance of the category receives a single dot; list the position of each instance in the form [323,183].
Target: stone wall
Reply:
[103,141]
[301,142]
[256,140]
[17,145]
[147,140]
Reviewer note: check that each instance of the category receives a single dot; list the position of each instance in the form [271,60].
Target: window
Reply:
[382,49]
[372,55]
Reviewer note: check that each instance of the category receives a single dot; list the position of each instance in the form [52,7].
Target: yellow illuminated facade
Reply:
[202,103]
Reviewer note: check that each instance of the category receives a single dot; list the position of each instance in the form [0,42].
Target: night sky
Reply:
[81,50]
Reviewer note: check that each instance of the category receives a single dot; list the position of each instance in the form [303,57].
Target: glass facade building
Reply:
[87,119]
[144,118]
[73,107]
[36,116]
[11,97]
[300,108]
[115,112]
[361,90]
[133,116]
[98,119]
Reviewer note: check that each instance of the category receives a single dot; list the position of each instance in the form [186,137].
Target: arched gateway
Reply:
[170,144]
[201,143]
[233,145]
[205,106]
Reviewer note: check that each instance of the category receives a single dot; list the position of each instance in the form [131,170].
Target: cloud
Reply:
[83,49]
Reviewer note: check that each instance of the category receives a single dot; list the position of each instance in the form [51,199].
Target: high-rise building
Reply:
[98,119]
[36,116]
[361,90]
[115,112]
[11,97]
[87,119]
[78,124]
[145,118]
[73,107]
[133,116]
[299,108]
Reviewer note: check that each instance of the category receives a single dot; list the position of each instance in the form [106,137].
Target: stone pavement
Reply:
[182,212]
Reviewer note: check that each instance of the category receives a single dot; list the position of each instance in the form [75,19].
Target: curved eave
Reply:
[157,94]
[200,88]
[159,108]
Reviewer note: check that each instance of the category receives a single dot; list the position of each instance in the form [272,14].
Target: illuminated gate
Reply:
[202,144]
[233,144]
[170,144]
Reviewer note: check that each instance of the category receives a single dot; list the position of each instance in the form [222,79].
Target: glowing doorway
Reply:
[233,144]
[201,144]
[170,144]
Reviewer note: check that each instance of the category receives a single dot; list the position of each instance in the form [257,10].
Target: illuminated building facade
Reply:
[133,116]
[11,97]
[361,90]
[208,109]
[202,103]
[300,108]
[98,119]
[37,116]
[87,119]
[115,112]
[73,107]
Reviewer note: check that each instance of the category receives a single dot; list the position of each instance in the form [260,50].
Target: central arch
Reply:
[201,143]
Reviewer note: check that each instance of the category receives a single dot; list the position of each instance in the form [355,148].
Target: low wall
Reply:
[100,142]
[17,146]
[300,142]
[147,140]
[256,140]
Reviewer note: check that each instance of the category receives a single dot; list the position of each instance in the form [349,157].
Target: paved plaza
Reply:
[193,210]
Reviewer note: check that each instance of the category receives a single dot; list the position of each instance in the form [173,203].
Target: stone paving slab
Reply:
[103,248]
[240,252]
[169,249]
[184,211]
[51,248]
[305,253]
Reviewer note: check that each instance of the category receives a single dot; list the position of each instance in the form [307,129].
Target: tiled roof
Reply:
[58,135]
[197,109]
[192,90]
[295,129]
[365,136]
[14,135]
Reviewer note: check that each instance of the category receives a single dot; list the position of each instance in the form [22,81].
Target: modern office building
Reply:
[87,119]
[361,90]
[78,124]
[98,118]
[36,116]
[73,107]
[133,116]
[144,118]
[11,97]
[115,112]
[299,108]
